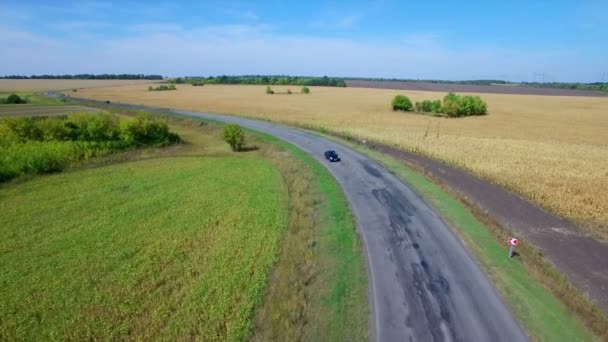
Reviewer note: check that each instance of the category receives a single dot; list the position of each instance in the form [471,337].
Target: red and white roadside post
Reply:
[512,243]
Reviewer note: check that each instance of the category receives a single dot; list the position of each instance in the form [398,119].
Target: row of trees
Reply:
[452,105]
[597,86]
[473,82]
[43,145]
[264,80]
[87,77]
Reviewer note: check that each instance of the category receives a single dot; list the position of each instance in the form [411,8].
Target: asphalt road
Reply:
[423,284]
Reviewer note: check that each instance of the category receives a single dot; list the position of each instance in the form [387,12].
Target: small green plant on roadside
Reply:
[403,103]
[234,136]
[269,90]
[305,90]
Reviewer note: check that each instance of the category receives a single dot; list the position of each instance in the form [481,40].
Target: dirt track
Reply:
[471,88]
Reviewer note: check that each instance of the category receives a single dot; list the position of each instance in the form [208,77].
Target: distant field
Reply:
[550,149]
[41,85]
[472,88]
[36,110]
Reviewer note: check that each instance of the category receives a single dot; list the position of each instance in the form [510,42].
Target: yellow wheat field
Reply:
[551,150]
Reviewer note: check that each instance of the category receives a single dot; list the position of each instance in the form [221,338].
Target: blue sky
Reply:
[513,40]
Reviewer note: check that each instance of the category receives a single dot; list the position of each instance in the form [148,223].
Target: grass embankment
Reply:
[552,150]
[543,301]
[319,289]
[181,246]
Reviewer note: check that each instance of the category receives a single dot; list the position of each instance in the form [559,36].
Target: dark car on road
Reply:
[332,156]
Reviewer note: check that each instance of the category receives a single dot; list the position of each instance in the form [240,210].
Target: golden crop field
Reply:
[552,150]
[7,85]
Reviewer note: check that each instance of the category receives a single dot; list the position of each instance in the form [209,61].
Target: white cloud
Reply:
[173,50]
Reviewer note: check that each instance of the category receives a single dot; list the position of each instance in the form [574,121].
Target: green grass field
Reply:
[190,241]
[173,248]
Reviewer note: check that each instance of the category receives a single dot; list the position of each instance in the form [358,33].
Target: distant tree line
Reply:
[597,86]
[473,82]
[263,80]
[86,77]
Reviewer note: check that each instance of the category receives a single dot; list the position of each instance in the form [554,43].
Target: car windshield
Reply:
[331,152]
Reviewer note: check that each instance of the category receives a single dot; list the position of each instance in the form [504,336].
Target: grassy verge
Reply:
[319,288]
[544,303]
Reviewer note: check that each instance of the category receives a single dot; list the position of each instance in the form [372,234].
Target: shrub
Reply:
[269,90]
[288,91]
[305,90]
[14,99]
[436,106]
[162,87]
[198,83]
[401,102]
[23,128]
[234,136]
[457,106]
[144,130]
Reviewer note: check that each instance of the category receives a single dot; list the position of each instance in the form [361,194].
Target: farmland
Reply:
[552,150]
[42,84]
[177,243]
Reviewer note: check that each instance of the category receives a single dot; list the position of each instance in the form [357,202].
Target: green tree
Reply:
[401,102]
[234,135]
[305,90]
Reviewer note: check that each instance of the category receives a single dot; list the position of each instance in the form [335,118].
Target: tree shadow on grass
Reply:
[249,148]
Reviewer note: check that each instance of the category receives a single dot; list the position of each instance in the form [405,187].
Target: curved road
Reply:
[423,285]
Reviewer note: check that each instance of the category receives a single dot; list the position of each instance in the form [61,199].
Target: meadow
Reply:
[552,150]
[190,241]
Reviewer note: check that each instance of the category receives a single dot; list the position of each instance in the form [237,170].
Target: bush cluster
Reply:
[401,102]
[162,87]
[457,105]
[12,99]
[428,106]
[452,105]
[43,145]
